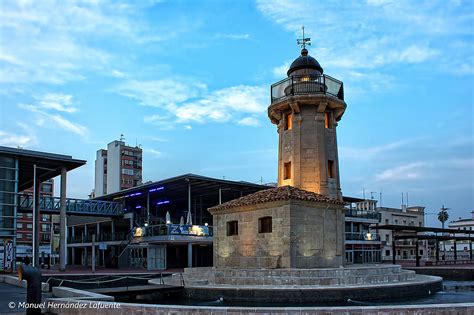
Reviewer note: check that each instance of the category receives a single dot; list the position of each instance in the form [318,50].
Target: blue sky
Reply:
[189,81]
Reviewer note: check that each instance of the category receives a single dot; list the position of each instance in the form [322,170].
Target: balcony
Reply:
[363,214]
[174,229]
[362,236]
[307,85]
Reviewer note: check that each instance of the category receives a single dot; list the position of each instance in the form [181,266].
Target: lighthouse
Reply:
[306,108]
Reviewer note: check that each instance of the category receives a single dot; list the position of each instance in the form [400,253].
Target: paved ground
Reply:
[11,294]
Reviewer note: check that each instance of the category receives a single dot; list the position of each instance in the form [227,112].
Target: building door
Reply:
[156,257]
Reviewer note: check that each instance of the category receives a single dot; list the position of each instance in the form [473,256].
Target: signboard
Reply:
[102,246]
[8,262]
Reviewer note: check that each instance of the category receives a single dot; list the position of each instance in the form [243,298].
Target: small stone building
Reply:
[283,227]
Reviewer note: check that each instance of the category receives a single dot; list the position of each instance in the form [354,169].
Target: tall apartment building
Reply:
[24,227]
[117,168]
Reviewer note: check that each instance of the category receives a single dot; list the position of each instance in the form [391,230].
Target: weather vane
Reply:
[304,40]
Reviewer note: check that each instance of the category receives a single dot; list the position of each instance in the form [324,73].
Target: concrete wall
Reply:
[114,159]
[304,235]
[99,179]
[91,307]
[317,236]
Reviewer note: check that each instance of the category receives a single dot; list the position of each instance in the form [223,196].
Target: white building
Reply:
[409,216]
[462,247]
[117,168]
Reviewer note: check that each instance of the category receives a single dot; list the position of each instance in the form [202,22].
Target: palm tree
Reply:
[443,216]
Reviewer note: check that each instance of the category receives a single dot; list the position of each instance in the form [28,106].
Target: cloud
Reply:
[59,102]
[164,93]
[280,71]
[181,103]
[376,151]
[154,153]
[14,140]
[379,34]
[55,42]
[222,105]
[249,121]
[232,36]
[49,111]
[410,171]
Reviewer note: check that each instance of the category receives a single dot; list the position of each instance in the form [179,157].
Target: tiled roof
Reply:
[275,194]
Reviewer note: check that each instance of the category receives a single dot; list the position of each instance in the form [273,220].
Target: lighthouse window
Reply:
[328,120]
[330,169]
[288,121]
[287,170]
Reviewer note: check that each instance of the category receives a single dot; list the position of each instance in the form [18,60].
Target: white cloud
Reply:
[232,36]
[154,153]
[378,33]
[59,102]
[49,109]
[376,151]
[410,171]
[249,121]
[224,104]
[14,140]
[280,71]
[164,93]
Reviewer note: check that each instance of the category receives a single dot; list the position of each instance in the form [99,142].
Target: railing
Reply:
[174,229]
[305,85]
[101,237]
[73,206]
[363,214]
[362,236]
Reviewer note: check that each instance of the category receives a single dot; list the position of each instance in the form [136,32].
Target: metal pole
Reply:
[455,252]
[148,208]
[437,252]
[470,249]
[36,225]
[393,248]
[417,256]
[62,222]
[93,253]
[189,196]
[220,195]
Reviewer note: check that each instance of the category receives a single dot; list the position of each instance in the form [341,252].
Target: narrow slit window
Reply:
[265,225]
[328,120]
[287,170]
[331,169]
[288,121]
[232,228]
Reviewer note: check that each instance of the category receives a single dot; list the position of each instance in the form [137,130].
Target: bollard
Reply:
[33,279]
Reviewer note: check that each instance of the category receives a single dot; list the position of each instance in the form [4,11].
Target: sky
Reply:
[189,81]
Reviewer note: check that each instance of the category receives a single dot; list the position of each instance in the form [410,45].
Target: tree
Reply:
[443,216]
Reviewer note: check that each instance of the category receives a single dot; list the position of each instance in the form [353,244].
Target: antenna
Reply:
[363,191]
[407,199]
[304,40]
[380,198]
[402,200]
[372,194]
[122,137]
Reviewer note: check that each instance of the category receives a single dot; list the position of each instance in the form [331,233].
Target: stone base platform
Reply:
[374,282]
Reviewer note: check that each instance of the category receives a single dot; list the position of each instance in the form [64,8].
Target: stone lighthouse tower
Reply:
[306,107]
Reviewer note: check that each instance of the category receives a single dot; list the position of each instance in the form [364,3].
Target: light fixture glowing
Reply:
[146,224]
[206,224]
[162,202]
[156,189]
[168,222]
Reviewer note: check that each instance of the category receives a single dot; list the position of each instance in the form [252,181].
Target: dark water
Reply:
[453,292]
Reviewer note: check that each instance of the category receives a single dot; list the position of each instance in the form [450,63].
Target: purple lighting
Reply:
[138,207]
[162,202]
[156,189]
[136,194]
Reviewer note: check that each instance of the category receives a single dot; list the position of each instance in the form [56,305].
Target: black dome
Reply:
[304,62]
